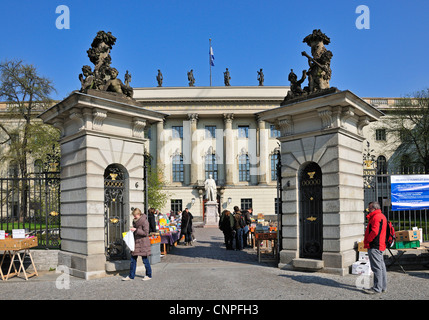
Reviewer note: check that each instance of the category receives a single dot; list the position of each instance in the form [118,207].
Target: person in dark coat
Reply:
[227,227]
[186,227]
[151,219]
[142,245]
[246,215]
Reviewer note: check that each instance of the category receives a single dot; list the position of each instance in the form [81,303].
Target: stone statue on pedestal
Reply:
[210,187]
[319,72]
[103,77]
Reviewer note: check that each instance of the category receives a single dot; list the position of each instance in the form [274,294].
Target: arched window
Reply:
[274,160]
[381,165]
[211,166]
[243,168]
[178,168]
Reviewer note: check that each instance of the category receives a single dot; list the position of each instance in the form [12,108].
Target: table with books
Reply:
[268,237]
[14,248]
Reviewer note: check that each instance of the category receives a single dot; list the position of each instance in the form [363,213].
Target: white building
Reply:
[214,130]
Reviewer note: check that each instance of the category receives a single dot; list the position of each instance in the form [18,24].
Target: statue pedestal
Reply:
[211,217]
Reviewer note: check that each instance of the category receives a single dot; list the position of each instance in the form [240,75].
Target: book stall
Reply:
[13,246]
[263,237]
[169,233]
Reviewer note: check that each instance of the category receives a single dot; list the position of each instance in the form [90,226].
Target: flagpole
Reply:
[210,61]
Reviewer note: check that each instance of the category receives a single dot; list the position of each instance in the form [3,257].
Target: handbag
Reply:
[129,240]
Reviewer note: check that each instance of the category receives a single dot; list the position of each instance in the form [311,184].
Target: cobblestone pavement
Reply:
[206,271]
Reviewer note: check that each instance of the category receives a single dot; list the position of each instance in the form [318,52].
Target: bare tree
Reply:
[26,94]
[408,122]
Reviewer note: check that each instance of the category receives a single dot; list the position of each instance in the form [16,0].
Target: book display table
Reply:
[14,248]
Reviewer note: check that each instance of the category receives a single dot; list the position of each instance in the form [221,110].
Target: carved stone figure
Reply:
[191,78]
[261,77]
[210,187]
[116,85]
[103,77]
[319,72]
[86,78]
[159,78]
[226,77]
[295,89]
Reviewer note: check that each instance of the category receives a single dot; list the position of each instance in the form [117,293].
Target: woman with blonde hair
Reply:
[142,245]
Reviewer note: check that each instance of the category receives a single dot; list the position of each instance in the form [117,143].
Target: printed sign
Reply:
[410,192]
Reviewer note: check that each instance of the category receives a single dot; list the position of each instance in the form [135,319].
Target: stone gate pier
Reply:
[102,177]
[322,179]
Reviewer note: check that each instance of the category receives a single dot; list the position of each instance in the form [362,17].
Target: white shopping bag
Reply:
[129,240]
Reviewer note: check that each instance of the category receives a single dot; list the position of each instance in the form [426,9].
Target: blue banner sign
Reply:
[410,192]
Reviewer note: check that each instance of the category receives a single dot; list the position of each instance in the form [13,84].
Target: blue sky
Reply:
[388,60]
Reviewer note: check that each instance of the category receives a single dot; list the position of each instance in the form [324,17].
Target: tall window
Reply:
[176,205]
[274,133]
[211,166]
[178,168]
[177,131]
[210,132]
[381,164]
[274,162]
[243,131]
[243,168]
[38,166]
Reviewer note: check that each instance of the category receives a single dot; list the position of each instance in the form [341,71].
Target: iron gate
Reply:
[33,204]
[114,215]
[311,214]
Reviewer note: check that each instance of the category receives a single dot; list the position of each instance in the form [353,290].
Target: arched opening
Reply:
[115,218]
[311,212]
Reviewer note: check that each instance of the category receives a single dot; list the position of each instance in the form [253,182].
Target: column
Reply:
[229,149]
[195,159]
[263,153]
[159,145]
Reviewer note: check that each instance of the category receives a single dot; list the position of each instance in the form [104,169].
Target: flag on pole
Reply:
[211,56]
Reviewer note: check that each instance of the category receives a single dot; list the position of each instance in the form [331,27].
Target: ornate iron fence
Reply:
[377,187]
[33,204]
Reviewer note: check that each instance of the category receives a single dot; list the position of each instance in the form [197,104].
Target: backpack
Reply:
[390,234]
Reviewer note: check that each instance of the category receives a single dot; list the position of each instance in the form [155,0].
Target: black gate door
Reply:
[311,214]
[114,216]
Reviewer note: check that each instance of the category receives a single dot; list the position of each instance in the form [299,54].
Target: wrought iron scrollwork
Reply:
[114,187]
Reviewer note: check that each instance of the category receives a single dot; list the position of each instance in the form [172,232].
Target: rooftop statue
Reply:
[319,72]
[103,77]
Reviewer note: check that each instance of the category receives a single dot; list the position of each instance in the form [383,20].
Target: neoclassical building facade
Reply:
[214,130]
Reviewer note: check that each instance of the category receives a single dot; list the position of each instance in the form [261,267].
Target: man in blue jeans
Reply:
[375,242]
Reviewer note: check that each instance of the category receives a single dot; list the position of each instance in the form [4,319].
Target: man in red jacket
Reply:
[375,242]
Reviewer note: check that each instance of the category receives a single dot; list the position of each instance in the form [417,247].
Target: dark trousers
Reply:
[133,266]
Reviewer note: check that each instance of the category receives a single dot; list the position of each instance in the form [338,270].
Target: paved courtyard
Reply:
[206,271]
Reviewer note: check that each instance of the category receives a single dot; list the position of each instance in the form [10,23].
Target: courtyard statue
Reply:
[103,77]
[210,187]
